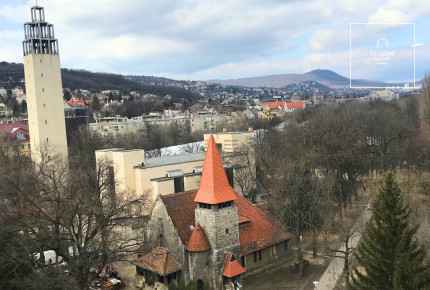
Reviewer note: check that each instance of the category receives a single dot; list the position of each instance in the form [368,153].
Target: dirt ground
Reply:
[127,271]
[282,277]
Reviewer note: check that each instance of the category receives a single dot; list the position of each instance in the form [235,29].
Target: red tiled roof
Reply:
[261,231]
[214,187]
[242,219]
[198,241]
[76,102]
[232,269]
[275,105]
[158,261]
[295,105]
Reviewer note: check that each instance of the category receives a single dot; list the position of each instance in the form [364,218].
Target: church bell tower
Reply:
[217,214]
[44,89]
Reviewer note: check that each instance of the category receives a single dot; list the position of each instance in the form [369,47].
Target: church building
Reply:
[212,235]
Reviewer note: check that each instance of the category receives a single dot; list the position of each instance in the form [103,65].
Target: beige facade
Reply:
[231,141]
[160,175]
[45,102]
[116,125]
[169,174]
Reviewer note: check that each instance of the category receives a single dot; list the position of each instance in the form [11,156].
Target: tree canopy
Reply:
[389,254]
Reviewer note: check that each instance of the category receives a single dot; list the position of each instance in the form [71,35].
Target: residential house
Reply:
[16,133]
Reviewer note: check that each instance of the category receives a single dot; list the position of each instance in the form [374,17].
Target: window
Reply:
[139,271]
[43,89]
[255,257]
[44,105]
[286,245]
[179,184]
[205,205]
[41,75]
[219,146]
[111,179]
[242,259]
[46,122]
[230,176]
[20,136]
[161,241]
[259,255]
[226,231]
[224,204]
[47,140]
[273,250]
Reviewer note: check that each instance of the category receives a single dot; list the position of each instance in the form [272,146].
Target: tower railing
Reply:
[39,34]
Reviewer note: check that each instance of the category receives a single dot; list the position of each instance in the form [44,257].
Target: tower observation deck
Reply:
[44,88]
[39,34]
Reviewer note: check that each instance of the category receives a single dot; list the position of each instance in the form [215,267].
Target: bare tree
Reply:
[76,213]
[349,227]
[302,205]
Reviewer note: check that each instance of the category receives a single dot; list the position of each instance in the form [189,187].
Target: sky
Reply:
[227,39]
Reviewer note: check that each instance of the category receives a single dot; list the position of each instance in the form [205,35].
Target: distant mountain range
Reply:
[12,73]
[323,76]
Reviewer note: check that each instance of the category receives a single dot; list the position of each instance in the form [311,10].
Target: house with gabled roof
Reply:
[211,235]
[276,105]
[16,133]
[292,106]
[76,102]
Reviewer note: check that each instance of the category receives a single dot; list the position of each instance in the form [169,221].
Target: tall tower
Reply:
[43,86]
[216,213]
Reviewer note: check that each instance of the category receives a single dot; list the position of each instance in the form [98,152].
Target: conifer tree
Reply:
[389,252]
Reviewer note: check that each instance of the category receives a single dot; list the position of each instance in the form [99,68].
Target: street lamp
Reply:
[315,284]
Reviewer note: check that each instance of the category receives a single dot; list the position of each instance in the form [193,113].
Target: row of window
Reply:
[259,254]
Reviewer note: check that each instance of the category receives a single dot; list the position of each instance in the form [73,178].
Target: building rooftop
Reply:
[214,187]
[198,241]
[158,261]
[232,268]
[259,231]
[188,157]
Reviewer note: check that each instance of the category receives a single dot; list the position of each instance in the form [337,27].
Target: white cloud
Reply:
[204,39]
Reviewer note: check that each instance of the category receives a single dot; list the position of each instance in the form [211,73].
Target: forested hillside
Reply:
[12,73]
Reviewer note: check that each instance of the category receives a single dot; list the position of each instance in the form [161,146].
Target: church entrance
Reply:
[200,285]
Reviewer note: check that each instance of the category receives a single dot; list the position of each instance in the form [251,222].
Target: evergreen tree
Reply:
[388,252]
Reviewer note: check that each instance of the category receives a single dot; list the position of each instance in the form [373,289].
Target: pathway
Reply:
[329,279]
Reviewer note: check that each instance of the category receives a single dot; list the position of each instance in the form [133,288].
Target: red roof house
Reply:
[17,131]
[76,102]
[291,106]
[276,105]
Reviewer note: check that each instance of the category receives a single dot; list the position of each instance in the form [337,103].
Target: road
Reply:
[329,279]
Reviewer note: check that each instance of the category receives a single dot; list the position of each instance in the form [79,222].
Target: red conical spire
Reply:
[214,187]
